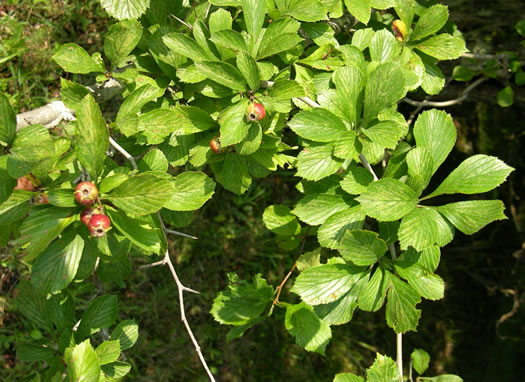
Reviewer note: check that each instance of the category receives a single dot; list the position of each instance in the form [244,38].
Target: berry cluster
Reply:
[86,193]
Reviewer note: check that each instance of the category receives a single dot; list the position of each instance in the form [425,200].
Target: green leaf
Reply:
[315,209]
[72,93]
[350,82]
[427,284]
[248,67]
[33,353]
[223,73]
[320,33]
[157,124]
[470,216]
[235,176]
[82,362]
[420,360]
[477,174]
[92,136]
[318,125]
[347,377]
[317,162]
[121,39]
[385,133]
[101,313]
[252,141]
[33,305]
[127,333]
[420,167]
[383,46]
[74,59]
[309,260]
[154,160]
[280,36]
[362,247]
[142,233]
[326,283]
[185,46]
[142,194]
[462,73]
[57,266]
[431,21]
[125,9]
[191,119]
[388,199]
[279,219]
[357,180]
[341,311]
[506,97]
[253,12]
[419,229]
[31,147]
[7,183]
[62,197]
[41,227]
[373,295]
[190,191]
[7,121]
[359,9]
[383,369]
[302,10]
[241,301]
[444,378]
[401,312]
[230,39]
[362,37]
[443,47]
[116,369]
[332,231]
[233,123]
[385,86]
[108,351]
[433,79]
[138,98]
[15,207]
[309,331]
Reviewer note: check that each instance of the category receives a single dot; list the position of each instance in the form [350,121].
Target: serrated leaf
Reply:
[116,369]
[385,133]
[42,227]
[362,37]
[223,73]
[190,191]
[420,167]
[302,10]
[241,301]
[33,305]
[401,312]
[428,285]
[359,9]
[383,46]
[475,175]
[121,39]
[309,260]
[32,146]
[101,313]
[326,283]
[7,121]
[420,360]
[142,194]
[280,36]
[235,176]
[154,160]
[320,33]
[419,229]
[108,351]
[315,209]
[141,233]
[7,183]
[72,93]
[92,136]
[348,377]
[136,99]
[385,86]
[341,311]
[32,353]
[362,247]
[357,180]
[248,67]
[318,125]
[127,333]
[431,21]
[332,231]
[388,199]
[185,46]
[470,216]
[57,266]
[230,39]
[15,207]
[233,123]
[82,362]
[253,12]
[382,370]
[279,219]
[317,162]
[74,59]
[252,141]
[373,294]
[435,131]
[309,331]
[443,47]
[125,9]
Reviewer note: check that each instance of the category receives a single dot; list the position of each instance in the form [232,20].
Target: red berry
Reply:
[255,112]
[86,193]
[87,213]
[24,184]
[41,199]
[99,225]
[215,145]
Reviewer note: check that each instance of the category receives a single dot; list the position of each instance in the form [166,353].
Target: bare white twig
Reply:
[173,232]
[461,98]
[182,22]
[121,150]
[367,166]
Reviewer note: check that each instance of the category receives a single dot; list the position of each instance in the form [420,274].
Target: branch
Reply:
[451,102]
[53,113]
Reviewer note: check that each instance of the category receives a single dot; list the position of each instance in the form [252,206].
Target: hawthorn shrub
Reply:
[229,91]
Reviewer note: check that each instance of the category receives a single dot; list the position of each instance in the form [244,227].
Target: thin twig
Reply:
[182,22]
[451,102]
[121,150]
[367,166]
[173,232]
